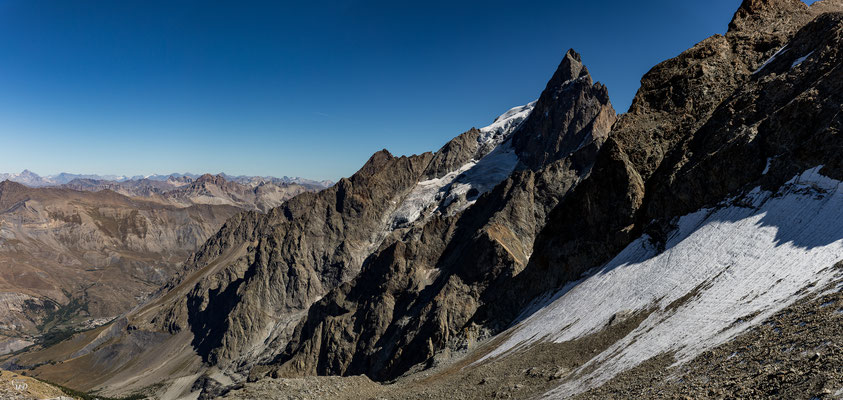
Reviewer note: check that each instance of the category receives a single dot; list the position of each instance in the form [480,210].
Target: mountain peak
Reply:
[208,178]
[8,186]
[752,12]
[570,114]
[569,69]
[375,162]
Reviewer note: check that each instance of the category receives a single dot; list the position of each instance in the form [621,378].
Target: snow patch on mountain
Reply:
[735,265]
[496,163]
[767,166]
[505,124]
[771,59]
[800,60]
[481,176]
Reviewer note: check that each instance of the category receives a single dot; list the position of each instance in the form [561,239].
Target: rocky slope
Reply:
[801,359]
[561,246]
[20,387]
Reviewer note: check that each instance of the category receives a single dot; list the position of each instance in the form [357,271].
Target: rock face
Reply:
[295,254]
[574,114]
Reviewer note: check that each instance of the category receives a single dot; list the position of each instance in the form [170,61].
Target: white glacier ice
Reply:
[505,124]
[497,162]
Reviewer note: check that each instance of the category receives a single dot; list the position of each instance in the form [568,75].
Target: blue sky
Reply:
[299,88]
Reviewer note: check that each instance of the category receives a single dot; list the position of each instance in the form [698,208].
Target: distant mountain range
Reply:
[31,179]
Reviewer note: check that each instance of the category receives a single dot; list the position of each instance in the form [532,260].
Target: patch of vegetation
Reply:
[63,313]
[70,219]
[55,336]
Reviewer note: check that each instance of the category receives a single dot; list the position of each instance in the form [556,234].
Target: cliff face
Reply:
[573,114]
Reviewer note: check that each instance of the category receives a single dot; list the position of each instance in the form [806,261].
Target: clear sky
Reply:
[304,88]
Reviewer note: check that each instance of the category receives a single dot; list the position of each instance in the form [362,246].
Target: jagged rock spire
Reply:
[570,114]
[571,67]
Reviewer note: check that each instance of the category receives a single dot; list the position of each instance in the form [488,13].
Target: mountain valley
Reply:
[75,258]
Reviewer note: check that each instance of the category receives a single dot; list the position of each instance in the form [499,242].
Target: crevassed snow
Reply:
[494,166]
[482,176]
[423,197]
[800,60]
[769,60]
[747,259]
[505,124]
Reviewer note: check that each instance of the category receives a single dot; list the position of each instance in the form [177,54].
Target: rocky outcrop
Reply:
[294,255]
[455,153]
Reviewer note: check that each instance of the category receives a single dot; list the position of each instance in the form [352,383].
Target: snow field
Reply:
[736,265]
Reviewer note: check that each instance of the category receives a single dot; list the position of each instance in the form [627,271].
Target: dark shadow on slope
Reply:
[210,323]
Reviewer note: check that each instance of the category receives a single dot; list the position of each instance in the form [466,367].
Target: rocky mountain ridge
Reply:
[252,193]
[205,189]
[31,179]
